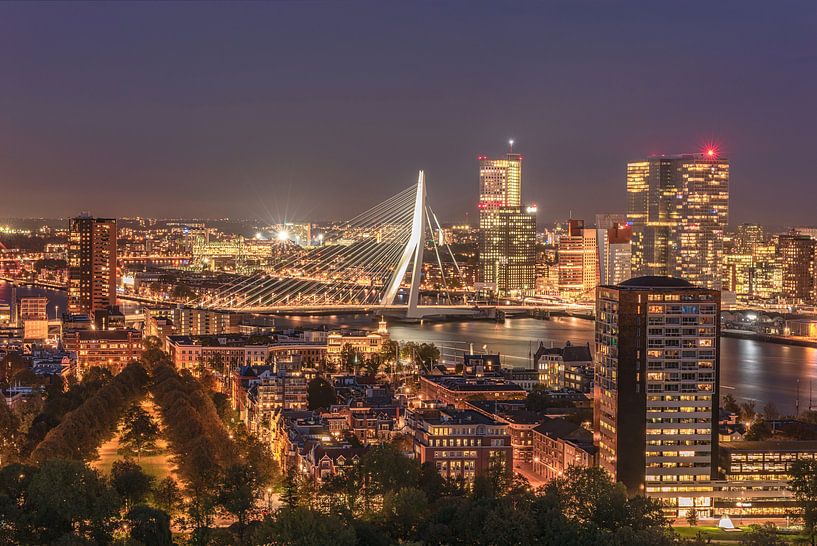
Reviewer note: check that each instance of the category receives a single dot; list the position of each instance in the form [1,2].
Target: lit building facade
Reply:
[678,207]
[656,388]
[91,264]
[34,318]
[112,349]
[797,257]
[578,261]
[507,229]
[461,444]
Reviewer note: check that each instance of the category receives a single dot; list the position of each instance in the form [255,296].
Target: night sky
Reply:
[318,110]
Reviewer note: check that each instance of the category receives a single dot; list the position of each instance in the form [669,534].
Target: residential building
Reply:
[656,388]
[559,444]
[112,349]
[457,391]
[92,264]
[569,367]
[461,444]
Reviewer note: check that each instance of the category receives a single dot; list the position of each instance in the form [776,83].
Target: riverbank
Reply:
[34,284]
[769,338]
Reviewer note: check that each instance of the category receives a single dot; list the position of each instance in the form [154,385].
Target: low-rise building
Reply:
[363,342]
[756,475]
[568,367]
[461,444]
[559,444]
[457,390]
[112,349]
[237,350]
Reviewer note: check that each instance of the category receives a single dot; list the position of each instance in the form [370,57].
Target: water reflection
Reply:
[749,369]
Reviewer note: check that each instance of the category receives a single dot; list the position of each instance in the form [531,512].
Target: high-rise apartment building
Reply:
[92,264]
[507,229]
[797,256]
[656,388]
[678,206]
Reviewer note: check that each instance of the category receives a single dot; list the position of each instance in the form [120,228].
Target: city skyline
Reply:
[213,118]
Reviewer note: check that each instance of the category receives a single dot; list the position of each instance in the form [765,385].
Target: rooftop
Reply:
[655,281]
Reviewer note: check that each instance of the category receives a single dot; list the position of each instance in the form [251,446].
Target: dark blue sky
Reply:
[321,109]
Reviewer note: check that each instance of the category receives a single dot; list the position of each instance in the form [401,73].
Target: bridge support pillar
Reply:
[412,252]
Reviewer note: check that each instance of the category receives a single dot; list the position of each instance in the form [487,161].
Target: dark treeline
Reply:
[388,499]
[81,431]
[192,426]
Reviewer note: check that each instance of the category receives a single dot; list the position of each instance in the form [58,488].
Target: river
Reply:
[751,370]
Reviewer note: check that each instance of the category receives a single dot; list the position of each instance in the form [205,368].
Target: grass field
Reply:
[158,466]
[718,535]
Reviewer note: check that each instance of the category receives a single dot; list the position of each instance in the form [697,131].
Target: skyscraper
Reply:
[678,206]
[92,264]
[500,182]
[507,229]
[656,388]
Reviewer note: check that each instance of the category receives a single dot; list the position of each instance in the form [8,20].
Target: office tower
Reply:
[507,230]
[578,261]
[678,207]
[500,182]
[656,388]
[747,238]
[797,256]
[92,264]
[508,250]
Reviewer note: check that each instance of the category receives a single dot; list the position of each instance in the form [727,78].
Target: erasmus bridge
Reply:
[372,262]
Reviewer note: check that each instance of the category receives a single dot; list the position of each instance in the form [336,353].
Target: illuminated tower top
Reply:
[500,181]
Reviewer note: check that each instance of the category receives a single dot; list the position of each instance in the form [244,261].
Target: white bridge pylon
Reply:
[361,263]
[412,252]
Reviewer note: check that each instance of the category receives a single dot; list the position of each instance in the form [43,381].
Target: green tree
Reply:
[729,403]
[68,500]
[11,437]
[167,496]
[320,394]
[747,411]
[149,526]
[804,485]
[139,431]
[350,358]
[761,535]
[130,482]
[389,353]
[14,481]
[588,496]
[182,292]
[304,527]
[759,430]
[692,517]
[404,511]
[237,491]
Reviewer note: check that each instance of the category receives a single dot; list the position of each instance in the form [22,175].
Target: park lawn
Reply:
[158,466]
[718,535]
